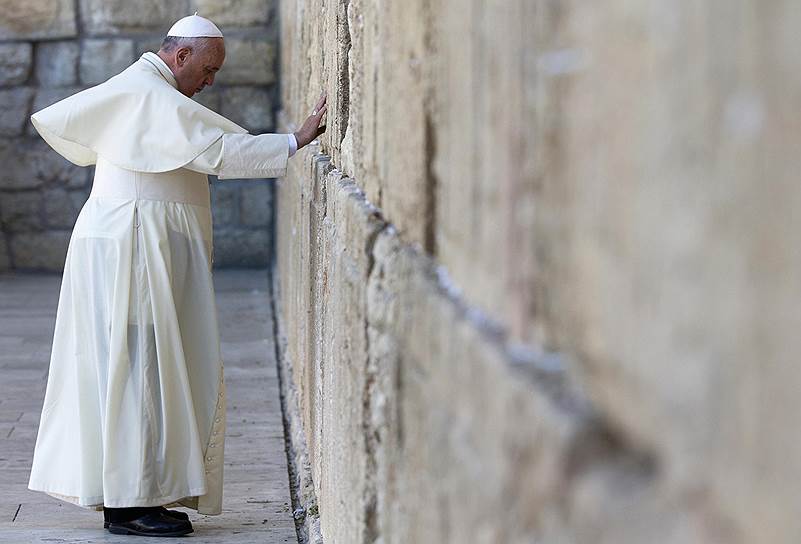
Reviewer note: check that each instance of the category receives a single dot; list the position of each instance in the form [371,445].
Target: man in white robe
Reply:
[134,411]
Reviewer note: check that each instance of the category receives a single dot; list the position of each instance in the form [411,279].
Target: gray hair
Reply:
[170,43]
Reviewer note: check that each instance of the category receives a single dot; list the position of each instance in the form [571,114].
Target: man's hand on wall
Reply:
[311,126]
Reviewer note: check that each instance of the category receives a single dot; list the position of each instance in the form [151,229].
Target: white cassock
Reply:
[134,410]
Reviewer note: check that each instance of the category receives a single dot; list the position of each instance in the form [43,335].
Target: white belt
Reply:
[180,185]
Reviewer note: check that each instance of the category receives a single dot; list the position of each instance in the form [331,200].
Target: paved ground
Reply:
[256,503]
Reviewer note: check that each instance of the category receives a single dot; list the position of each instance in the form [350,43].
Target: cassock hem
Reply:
[97,502]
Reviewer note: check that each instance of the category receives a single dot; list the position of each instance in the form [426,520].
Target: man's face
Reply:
[196,67]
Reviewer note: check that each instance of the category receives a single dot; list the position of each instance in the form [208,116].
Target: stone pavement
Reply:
[256,500]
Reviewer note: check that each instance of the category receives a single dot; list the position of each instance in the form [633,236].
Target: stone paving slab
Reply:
[256,500]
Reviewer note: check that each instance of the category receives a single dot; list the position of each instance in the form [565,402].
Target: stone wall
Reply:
[539,282]
[50,49]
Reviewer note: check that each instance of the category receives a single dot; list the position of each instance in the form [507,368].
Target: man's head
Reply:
[193,61]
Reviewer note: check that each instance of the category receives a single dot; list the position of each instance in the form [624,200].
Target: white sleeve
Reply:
[293,144]
[244,156]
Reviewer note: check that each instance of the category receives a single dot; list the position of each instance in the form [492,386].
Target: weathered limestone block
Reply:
[103,58]
[57,63]
[15,63]
[234,12]
[342,226]
[247,61]
[14,108]
[250,107]
[61,207]
[35,19]
[148,44]
[388,364]
[21,211]
[241,247]
[117,16]
[28,165]
[256,206]
[45,251]
[225,202]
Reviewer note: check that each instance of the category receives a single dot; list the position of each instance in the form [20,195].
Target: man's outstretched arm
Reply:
[236,156]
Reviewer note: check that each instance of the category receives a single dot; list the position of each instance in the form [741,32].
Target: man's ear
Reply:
[182,55]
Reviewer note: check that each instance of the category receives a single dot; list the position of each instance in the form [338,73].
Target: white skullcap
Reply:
[194,26]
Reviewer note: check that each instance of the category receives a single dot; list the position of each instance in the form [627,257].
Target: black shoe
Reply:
[151,524]
[177,514]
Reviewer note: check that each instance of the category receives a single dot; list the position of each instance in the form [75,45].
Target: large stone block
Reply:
[247,61]
[15,105]
[44,251]
[15,63]
[117,16]
[148,44]
[235,247]
[234,12]
[29,164]
[224,203]
[257,203]
[250,107]
[57,63]
[102,58]
[21,211]
[61,207]
[35,19]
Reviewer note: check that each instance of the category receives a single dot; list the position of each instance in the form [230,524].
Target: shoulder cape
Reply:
[135,120]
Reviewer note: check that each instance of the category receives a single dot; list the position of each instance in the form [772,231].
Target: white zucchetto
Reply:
[194,26]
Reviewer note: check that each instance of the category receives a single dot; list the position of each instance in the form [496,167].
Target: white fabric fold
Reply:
[136,120]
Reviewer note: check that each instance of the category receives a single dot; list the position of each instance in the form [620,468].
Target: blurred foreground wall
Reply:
[50,49]
[541,281]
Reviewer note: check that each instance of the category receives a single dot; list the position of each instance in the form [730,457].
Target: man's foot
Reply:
[151,524]
[177,514]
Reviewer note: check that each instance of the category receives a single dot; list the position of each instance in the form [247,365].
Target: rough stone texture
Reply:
[117,16]
[14,110]
[589,192]
[28,165]
[248,61]
[15,63]
[40,251]
[235,247]
[21,212]
[225,203]
[102,59]
[257,204]
[36,19]
[57,63]
[234,12]
[249,107]
[61,207]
